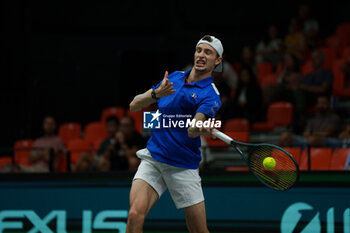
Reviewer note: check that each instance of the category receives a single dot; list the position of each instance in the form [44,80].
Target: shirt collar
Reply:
[202,83]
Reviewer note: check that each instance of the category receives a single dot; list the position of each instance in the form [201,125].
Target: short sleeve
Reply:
[211,104]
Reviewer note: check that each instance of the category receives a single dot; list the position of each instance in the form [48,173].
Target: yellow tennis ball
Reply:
[269,163]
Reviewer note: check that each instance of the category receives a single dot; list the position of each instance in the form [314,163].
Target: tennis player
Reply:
[172,156]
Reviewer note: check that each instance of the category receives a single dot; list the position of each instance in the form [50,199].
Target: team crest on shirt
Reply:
[193,95]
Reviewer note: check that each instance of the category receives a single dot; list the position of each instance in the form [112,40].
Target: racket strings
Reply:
[282,176]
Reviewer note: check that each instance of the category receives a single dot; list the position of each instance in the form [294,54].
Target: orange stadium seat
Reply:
[307,67]
[5,160]
[238,129]
[332,42]
[339,158]
[138,119]
[236,125]
[329,57]
[346,53]
[295,152]
[22,151]
[280,113]
[76,147]
[343,34]
[95,131]
[116,111]
[267,79]
[339,88]
[68,131]
[263,126]
[264,68]
[320,159]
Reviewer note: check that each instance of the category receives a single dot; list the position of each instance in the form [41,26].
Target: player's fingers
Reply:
[169,92]
[163,82]
[166,74]
[166,81]
[169,86]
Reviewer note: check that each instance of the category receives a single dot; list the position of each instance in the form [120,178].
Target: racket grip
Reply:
[222,136]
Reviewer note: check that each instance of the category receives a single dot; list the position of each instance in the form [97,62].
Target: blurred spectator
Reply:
[247,102]
[229,74]
[247,59]
[287,83]
[318,82]
[226,81]
[289,78]
[270,48]
[295,41]
[121,153]
[342,141]
[223,88]
[112,126]
[310,26]
[87,161]
[41,158]
[325,124]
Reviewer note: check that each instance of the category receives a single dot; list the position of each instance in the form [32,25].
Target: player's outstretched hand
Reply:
[165,88]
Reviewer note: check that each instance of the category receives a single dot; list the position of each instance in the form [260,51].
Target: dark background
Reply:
[72,59]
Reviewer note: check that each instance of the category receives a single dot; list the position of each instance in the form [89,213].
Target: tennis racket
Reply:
[282,177]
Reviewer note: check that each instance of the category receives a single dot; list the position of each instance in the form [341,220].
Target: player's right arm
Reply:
[141,101]
[144,100]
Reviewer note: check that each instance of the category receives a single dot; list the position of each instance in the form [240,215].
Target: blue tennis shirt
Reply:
[173,146]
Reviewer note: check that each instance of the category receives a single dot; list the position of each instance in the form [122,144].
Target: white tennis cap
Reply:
[216,44]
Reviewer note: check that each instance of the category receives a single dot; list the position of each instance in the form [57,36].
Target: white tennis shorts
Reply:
[184,184]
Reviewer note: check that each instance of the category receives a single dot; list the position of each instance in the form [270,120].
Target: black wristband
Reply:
[153,94]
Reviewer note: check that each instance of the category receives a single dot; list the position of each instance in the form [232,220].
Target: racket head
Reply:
[283,176]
